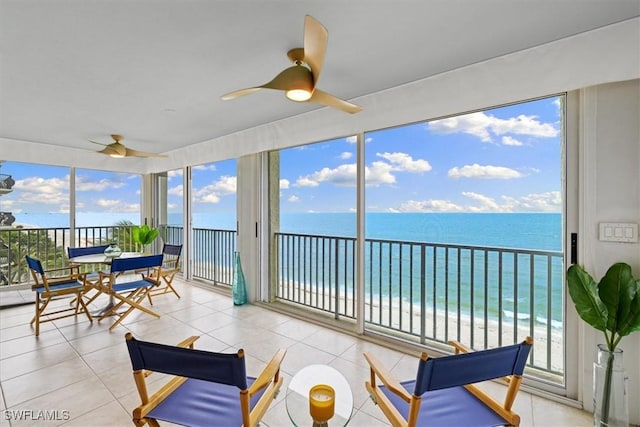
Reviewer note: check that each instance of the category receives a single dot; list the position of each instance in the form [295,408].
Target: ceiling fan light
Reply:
[298,95]
[116,156]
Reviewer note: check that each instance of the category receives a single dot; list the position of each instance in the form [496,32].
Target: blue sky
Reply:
[506,159]
[502,160]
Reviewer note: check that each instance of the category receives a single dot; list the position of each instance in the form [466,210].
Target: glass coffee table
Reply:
[297,399]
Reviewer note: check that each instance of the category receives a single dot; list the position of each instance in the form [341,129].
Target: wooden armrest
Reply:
[386,377]
[459,347]
[70,268]
[188,342]
[268,373]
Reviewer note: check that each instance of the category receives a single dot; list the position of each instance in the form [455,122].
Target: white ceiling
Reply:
[154,70]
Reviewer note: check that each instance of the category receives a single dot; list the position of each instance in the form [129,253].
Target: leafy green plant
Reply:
[611,306]
[144,235]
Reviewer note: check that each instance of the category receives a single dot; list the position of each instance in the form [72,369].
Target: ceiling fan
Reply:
[299,81]
[118,150]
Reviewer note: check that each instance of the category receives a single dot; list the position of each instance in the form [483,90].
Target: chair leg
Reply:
[85,309]
[169,286]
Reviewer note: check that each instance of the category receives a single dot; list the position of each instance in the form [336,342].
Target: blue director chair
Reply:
[209,389]
[444,394]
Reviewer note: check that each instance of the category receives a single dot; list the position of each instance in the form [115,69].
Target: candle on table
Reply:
[322,402]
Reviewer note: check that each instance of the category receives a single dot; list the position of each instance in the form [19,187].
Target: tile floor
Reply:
[83,369]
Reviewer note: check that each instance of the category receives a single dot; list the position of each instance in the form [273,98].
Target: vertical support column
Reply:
[248,214]
[360,232]
[72,207]
[270,215]
[187,223]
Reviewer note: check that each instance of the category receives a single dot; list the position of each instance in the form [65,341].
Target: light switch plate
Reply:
[618,232]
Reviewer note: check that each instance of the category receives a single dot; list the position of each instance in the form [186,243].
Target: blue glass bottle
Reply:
[239,287]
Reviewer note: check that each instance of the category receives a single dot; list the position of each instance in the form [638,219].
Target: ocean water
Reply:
[507,230]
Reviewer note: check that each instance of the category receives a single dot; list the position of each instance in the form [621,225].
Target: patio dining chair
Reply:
[128,293]
[164,276]
[444,391]
[205,388]
[48,287]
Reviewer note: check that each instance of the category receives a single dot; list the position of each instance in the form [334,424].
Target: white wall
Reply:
[609,187]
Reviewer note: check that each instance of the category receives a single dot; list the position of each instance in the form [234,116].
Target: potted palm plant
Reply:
[613,307]
[144,235]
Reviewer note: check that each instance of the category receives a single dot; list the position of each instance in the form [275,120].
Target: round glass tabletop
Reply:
[297,398]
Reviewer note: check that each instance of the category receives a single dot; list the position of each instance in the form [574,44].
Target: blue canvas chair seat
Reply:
[444,391]
[209,389]
[130,293]
[47,288]
[197,402]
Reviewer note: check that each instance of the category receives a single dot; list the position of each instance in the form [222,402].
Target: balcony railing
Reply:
[212,253]
[482,296]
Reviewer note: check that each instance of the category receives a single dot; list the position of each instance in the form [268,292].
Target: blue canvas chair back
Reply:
[469,368]
[128,264]
[222,368]
[173,250]
[35,265]
[91,250]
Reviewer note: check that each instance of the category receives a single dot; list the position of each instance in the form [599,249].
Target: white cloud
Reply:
[483,172]
[345,155]
[507,140]
[351,139]
[405,163]
[293,199]
[208,198]
[284,184]
[487,204]
[83,184]
[378,173]
[429,206]
[550,201]
[175,191]
[114,205]
[306,181]
[211,193]
[174,173]
[47,191]
[105,203]
[37,184]
[483,126]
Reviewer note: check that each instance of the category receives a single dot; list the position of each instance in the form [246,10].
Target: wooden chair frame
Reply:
[503,409]
[130,293]
[46,289]
[164,276]
[269,380]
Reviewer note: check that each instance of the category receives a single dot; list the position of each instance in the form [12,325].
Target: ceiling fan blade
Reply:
[324,98]
[296,76]
[315,45]
[115,149]
[239,93]
[136,153]
[99,143]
